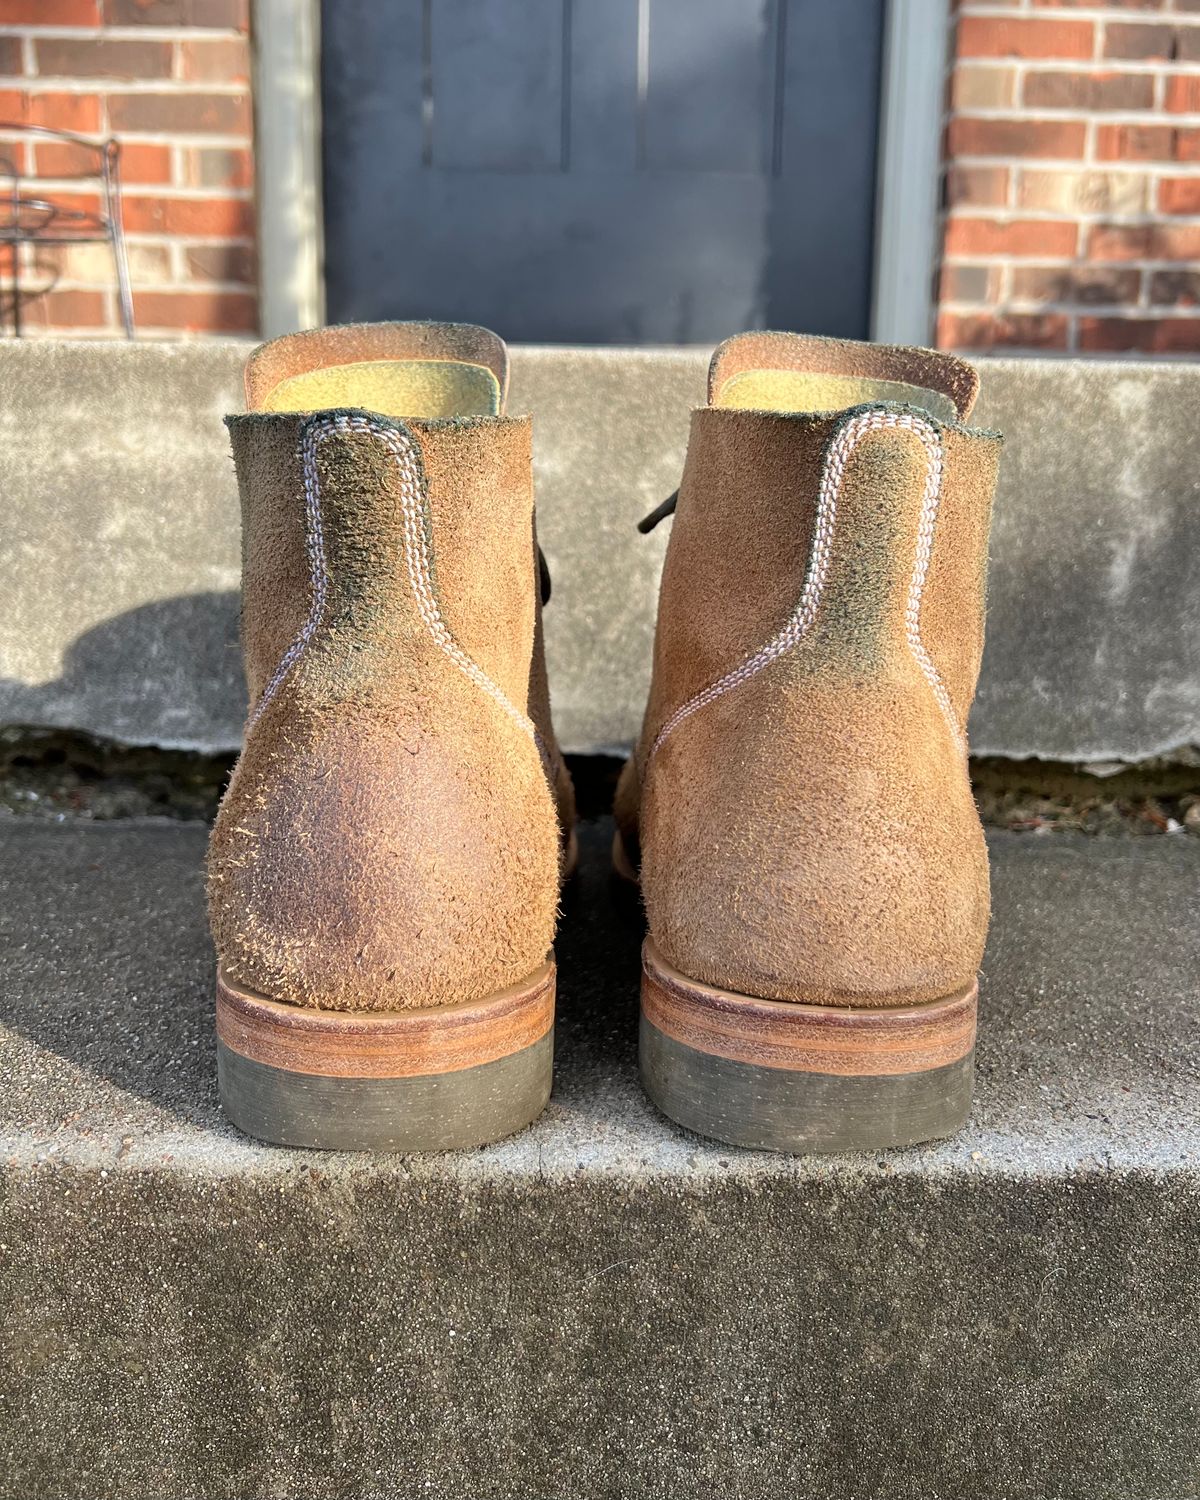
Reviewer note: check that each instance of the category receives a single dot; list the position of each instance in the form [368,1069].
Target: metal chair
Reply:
[27,218]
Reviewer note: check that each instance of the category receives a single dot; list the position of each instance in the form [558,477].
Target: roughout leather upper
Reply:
[810,834]
[390,837]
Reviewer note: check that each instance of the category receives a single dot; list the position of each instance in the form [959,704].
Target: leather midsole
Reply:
[386,1044]
[881,1041]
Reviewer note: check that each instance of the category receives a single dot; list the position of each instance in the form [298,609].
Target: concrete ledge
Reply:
[602,1306]
[121,578]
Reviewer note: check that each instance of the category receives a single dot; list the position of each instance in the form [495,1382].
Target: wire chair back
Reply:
[29,215]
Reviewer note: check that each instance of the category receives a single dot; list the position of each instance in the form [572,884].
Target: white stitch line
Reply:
[833,477]
[416,554]
[930,500]
[318,571]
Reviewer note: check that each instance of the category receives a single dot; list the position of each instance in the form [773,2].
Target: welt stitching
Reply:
[833,475]
[416,556]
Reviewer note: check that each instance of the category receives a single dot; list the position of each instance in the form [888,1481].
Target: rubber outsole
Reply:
[433,1079]
[786,1076]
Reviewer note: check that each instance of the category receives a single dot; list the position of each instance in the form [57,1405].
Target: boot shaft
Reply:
[370,545]
[844,544]
[381,531]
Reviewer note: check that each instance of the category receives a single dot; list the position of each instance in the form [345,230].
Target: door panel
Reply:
[634,171]
[496,71]
[706,89]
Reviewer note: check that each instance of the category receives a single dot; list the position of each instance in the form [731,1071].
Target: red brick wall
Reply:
[1072,183]
[169,78]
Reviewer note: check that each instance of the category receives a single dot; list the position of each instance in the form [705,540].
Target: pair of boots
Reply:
[385,868]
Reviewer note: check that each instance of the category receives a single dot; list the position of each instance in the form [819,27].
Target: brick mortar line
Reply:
[176,192]
[1118,218]
[1077,165]
[1118,14]
[184,88]
[167,195]
[1167,20]
[180,138]
[1151,313]
[1083,66]
[180,285]
[34,31]
[91,331]
[127,138]
[153,237]
[1126,217]
[1019,349]
[1044,115]
[158,137]
[151,137]
[1089,153]
[156,192]
[1019,71]
[187,242]
[1010,191]
[1059,262]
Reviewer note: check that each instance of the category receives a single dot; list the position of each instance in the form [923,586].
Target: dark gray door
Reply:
[602,171]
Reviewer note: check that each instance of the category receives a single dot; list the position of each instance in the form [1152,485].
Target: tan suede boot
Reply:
[813,868]
[384,871]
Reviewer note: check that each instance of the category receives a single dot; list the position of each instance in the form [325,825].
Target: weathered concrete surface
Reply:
[1094,593]
[610,434]
[119,561]
[121,578]
[602,1307]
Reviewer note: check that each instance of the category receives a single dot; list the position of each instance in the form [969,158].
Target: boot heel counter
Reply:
[850,876]
[360,869]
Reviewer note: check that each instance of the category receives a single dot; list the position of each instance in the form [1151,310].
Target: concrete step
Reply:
[602,1306]
[128,504]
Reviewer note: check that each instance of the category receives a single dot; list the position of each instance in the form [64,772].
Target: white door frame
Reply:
[915,43]
[287,112]
[287,150]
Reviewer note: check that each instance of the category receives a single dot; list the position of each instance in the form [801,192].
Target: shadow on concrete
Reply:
[599,974]
[148,676]
[106,927]
[110,971]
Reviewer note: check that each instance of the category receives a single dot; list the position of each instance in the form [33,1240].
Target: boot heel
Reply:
[784,1076]
[435,1079]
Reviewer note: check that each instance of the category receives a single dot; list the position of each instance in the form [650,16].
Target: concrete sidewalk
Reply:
[602,1306]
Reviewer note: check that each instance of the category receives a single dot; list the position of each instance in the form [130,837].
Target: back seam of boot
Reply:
[416,545]
[845,439]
